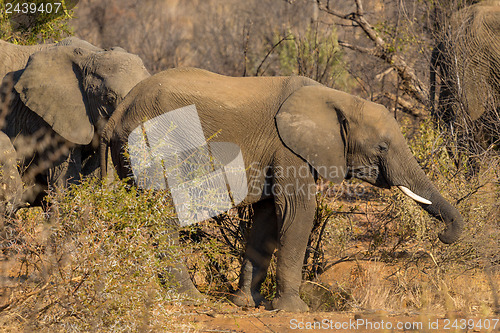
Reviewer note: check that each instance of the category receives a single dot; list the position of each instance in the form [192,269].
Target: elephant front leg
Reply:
[295,208]
[260,247]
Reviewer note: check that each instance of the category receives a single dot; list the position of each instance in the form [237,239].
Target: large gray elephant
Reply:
[289,130]
[57,102]
[467,61]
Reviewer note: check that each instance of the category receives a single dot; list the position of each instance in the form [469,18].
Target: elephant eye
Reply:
[383,147]
[111,97]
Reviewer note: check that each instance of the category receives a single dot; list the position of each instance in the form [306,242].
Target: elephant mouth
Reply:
[371,175]
[382,182]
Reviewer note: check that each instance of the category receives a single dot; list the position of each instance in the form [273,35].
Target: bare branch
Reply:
[271,51]
[359,8]
[409,80]
[405,105]
[371,51]
[333,12]
[355,17]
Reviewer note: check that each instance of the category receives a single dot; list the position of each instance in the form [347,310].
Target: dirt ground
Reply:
[374,284]
[359,293]
[232,319]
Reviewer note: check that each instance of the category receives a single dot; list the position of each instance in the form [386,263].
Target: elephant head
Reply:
[14,57]
[71,87]
[341,135]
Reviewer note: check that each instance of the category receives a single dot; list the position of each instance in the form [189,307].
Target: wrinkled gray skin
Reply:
[14,57]
[282,122]
[64,93]
[467,61]
[11,186]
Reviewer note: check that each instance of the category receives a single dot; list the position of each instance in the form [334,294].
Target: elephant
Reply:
[11,186]
[289,131]
[57,103]
[467,61]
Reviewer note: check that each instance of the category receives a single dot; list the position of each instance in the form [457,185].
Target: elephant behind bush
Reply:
[56,105]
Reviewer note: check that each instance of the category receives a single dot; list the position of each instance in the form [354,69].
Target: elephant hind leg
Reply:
[260,247]
[176,273]
[177,276]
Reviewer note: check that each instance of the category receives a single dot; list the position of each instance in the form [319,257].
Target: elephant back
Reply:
[176,88]
[240,101]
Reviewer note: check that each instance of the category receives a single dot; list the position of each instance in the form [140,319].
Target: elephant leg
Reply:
[260,247]
[176,273]
[68,171]
[90,164]
[295,208]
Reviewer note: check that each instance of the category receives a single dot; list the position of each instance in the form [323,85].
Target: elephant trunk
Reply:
[104,145]
[103,157]
[417,186]
[439,208]
[442,209]
[106,134]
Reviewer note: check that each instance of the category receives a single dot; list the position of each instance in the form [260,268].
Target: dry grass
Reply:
[90,264]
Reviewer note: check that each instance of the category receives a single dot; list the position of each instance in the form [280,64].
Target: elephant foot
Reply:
[178,280]
[250,299]
[290,303]
[191,294]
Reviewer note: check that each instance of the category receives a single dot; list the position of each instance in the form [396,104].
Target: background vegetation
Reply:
[91,263]
[19,28]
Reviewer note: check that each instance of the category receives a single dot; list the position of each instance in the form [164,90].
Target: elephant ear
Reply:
[310,126]
[51,86]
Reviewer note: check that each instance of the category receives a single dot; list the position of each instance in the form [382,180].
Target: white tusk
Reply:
[414,196]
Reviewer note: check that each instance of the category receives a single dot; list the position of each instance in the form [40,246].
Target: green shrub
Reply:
[36,28]
[315,54]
